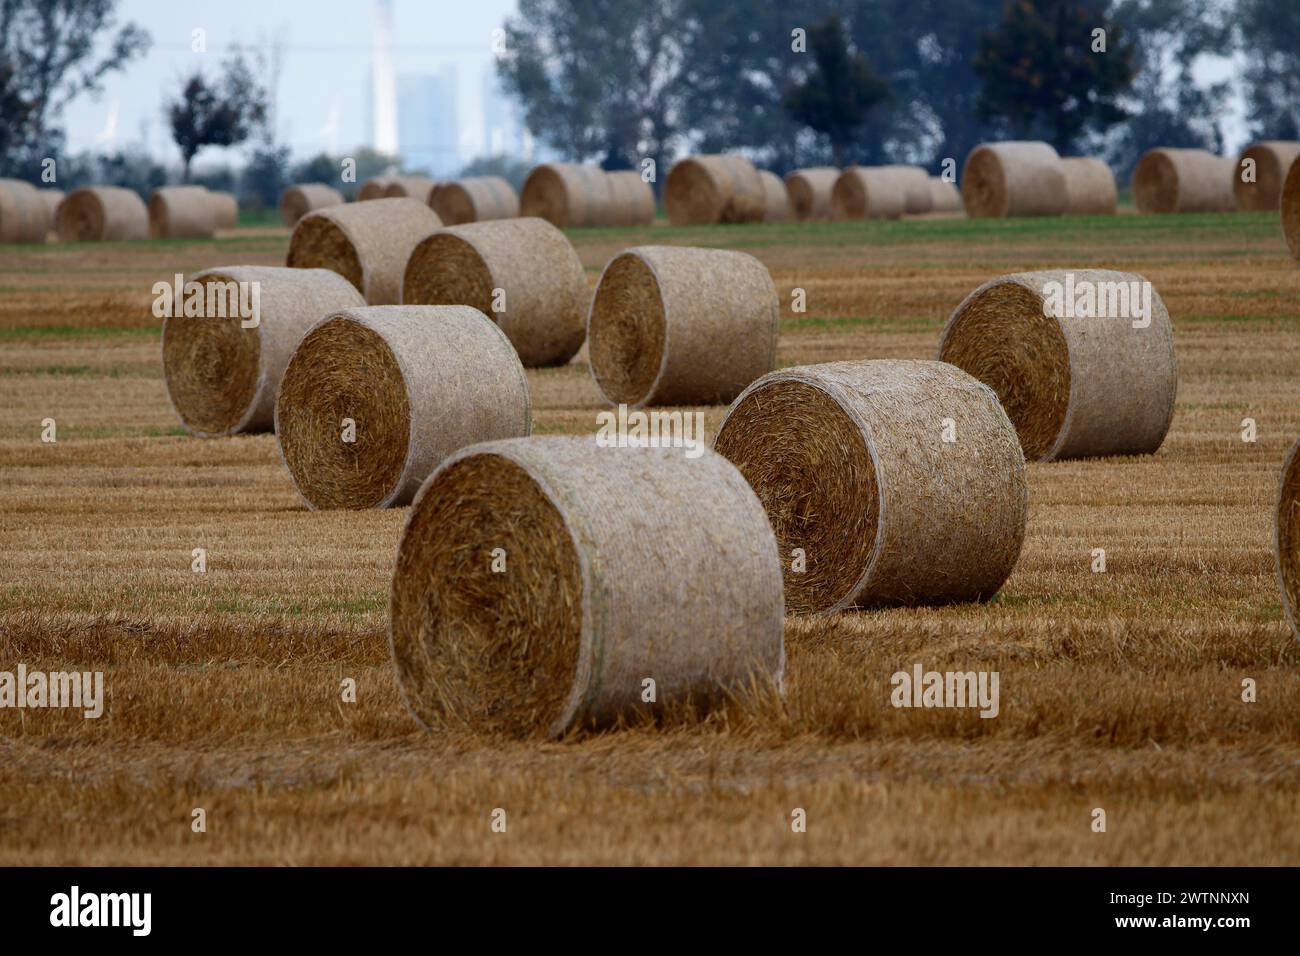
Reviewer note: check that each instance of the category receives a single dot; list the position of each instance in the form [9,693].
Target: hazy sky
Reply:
[324,79]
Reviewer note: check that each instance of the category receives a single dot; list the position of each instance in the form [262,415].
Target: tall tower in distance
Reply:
[384,84]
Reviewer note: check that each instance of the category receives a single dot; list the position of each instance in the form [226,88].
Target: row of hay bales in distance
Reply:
[96,213]
[386,316]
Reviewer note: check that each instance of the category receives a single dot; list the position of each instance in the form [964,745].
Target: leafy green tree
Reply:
[1042,75]
[224,112]
[50,52]
[1270,31]
[839,91]
[265,176]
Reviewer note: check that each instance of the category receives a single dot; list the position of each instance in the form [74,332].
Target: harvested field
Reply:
[1120,690]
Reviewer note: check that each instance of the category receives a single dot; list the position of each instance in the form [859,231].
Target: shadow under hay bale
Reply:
[618,565]
[101,214]
[673,325]
[366,243]
[416,382]
[523,273]
[1076,385]
[222,377]
[887,482]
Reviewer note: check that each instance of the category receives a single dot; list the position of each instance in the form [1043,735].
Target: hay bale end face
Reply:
[221,376]
[565,195]
[1077,385]
[410,187]
[810,191]
[776,200]
[366,243]
[182,212]
[944,196]
[1286,538]
[474,199]
[674,325]
[887,482]
[102,213]
[1271,160]
[1291,210]
[868,192]
[1016,178]
[1089,187]
[523,273]
[24,216]
[300,199]
[416,382]
[711,189]
[225,209]
[1183,180]
[679,583]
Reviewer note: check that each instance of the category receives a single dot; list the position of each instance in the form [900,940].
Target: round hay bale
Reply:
[542,293]
[853,464]
[776,201]
[916,189]
[868,192]
[474,199]
[944,196]
[366,243]
[810,191]
[621,565]
[1089,187]
[182,212]
[222,377]
[673,325]
[1075,386]
[300,199]
[225,209]
[566,195]
[374,188]
[24,217]
[418,382]
[631,200]
[1014,178]
[410,187]
[1183,180]
[1273,160]
[1286,537]
[102,213]
[1291,209]
[710,189]
[52,198]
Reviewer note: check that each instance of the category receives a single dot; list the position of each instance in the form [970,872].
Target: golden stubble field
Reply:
[1120,690]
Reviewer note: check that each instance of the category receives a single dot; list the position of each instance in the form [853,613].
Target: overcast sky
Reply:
[325,75]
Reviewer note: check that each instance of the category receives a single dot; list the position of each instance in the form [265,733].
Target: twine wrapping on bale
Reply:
[944,196]
[1291,210]
[523,273]
[222,377]
[366,243]
[621,565]
[1286,537]
[631,200]
[373,188]
[899,482]
[1015,178]
[474,199]
[102,213]
[1076,386]
[1183,180]
[298,200]
[916,189]
[776,201]
[182,212]
[869,192]
[810,191]
[1273,160]
[410,187]
[1089,187]
[418,383]
[566,195]
[24,217]
[673,325]
[225,209]
[704,190]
